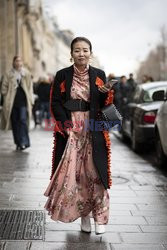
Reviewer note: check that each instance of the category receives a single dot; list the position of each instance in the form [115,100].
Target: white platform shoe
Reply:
[85,224]
[99,229]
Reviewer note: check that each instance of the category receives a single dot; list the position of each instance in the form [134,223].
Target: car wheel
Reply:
[136,146]
[161,159]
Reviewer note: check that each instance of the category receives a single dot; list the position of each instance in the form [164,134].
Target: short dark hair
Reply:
[79,39]
[122,77]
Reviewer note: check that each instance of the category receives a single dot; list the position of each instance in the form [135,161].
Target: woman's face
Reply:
[81,53]
[18,63]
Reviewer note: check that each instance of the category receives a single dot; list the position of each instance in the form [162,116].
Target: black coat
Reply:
[60,93]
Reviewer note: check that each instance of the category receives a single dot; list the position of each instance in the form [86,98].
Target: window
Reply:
[147,97]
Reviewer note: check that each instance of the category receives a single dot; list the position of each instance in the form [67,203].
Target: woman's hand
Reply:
[105,88]
[108,86]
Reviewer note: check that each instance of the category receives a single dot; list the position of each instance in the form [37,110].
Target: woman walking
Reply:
[17,92]
[81,156]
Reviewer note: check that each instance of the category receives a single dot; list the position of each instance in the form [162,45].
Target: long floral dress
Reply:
[75,189]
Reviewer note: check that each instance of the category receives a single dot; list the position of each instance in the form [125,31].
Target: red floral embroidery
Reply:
[99,82]
[53,156]
[108,145]
[110,97]
[62,87]
[108,101]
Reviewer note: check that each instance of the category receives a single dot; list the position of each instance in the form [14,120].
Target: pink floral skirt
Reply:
[75,189]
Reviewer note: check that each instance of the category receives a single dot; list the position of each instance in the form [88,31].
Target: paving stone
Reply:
[156,220]
[122,193]
[148,212]
[155,179]
[69,246]
[142,188]
[5,197]
[149,193]
[29,181]
[26,197]
[24,185]
[23,190]
[4,204]
[120,187]
[136,247]
[6,177]
[128,220]
[119,206]
[48,219]
[162,188]
[140,179]
[110,238]
[71,236]
[138,200]
[53,226]
[161,206]
[144,238]
[153,229]
[120,212]
[23,205]
[122,228]
[17,245]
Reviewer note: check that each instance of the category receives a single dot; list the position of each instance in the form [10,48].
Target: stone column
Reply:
[3,37]
[8,35]
[12,35]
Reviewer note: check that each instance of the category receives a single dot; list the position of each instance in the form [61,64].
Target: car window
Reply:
[147,96]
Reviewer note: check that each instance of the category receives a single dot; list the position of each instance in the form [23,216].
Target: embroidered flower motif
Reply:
[99,82]
[110,97]
[62,87]
[108,145]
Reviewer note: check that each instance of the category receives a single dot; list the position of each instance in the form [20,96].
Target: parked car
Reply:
[140,114]
[161,130]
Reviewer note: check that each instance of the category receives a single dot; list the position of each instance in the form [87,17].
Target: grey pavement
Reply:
[138,198]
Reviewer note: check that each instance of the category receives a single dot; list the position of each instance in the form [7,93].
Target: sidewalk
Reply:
[138,200]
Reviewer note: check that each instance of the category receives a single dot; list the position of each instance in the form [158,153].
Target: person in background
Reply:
[150,79]
[43,92]
[111,76]
[17,91]
[120,94]
[131,85]
[36,107]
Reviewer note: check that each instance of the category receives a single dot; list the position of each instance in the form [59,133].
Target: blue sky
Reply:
[122,32]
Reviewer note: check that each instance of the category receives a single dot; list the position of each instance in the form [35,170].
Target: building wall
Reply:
[25,31]
[28,32]
[7,34]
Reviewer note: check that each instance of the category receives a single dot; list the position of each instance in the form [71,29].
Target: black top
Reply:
[20,97]
[43,92]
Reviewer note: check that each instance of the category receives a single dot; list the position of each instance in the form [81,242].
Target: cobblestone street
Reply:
[138,199]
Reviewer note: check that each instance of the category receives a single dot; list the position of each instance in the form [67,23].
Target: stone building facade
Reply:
[27,31]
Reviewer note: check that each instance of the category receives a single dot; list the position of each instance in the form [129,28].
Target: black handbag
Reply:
[111,117]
